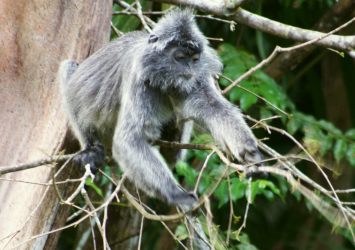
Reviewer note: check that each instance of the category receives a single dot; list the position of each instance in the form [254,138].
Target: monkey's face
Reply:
[176,67]
[185,62]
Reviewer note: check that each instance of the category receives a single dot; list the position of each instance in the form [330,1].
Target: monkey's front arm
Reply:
[208,108]
[144,165]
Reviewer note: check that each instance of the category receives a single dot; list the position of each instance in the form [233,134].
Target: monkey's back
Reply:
[93,93]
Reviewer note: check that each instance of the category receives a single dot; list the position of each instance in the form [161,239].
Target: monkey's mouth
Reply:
[186,76]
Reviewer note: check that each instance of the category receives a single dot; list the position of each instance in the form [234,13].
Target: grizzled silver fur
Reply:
[124,93]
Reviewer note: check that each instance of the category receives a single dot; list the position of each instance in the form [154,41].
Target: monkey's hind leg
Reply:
[92,150]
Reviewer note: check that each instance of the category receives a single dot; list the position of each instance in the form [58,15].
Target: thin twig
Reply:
[248,192]
[231,211]
[86,175]
[86,216]
[202,170]
[141,17]
[177,145]
[25,166]
[338,203]
[117,31]
[92,233]
[209,222]
[62,158]
[258,96]
[278,50]
[13,234]
[96,217]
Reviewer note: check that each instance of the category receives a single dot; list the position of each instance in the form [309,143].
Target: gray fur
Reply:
[124,93]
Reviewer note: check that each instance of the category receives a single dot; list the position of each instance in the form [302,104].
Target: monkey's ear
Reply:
[153,38]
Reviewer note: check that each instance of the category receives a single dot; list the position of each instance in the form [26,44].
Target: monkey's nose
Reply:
[187,76]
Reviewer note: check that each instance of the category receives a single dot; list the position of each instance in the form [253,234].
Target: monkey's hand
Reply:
[94,155]
[225,122]
[243,146]
[251,154]
[246,149]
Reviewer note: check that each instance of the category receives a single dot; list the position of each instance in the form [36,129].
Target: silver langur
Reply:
[119,98]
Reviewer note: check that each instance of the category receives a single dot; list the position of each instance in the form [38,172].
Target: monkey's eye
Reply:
[195,57]
[153,38]
[179,56]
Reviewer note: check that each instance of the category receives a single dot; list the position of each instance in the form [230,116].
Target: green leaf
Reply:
[245,243]
[330,127]
[237,62]
[265,113]
[293,125]
[108,172]
[238,189]
[326,143]
[125,23]
[261,187]
[203,139]
[190,174]
[221,193]
[351,133]
[247,100]
[350,154]
[181,232]
[92,184]
[339,150]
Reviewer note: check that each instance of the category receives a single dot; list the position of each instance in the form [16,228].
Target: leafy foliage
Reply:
[319,136]
[261,93]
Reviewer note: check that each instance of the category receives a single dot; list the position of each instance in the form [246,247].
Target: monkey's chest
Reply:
[151,129]
[154,121]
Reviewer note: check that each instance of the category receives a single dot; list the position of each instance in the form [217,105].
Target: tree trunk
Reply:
[35,36]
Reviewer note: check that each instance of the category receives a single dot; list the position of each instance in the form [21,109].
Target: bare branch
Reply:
[202,170]
[49,160]
[177,145]
[343,43]
[63,158]
[278,50]
[331,19]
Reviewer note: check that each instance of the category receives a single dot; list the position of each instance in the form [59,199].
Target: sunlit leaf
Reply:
[339,150]
[350,154]
[92,185]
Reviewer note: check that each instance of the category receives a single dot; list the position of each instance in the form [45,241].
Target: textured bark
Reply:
[35,36]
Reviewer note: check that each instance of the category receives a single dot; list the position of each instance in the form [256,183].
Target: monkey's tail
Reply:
[66,70]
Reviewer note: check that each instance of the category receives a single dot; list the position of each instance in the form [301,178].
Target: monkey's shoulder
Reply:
[134,37]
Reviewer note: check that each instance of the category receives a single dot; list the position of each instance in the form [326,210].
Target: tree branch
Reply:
[334,17]
[24,166]
[343,43]
[63,158]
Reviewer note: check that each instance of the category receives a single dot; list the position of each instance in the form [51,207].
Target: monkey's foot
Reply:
[94,155]
[185,200]
[252,172]
[250,153]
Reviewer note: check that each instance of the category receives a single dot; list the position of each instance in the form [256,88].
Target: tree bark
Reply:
[35,37]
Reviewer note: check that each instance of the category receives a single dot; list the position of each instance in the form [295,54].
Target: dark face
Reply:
[184,62]
[177,66]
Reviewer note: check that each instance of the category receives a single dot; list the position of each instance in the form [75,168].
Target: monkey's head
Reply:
[178,55]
